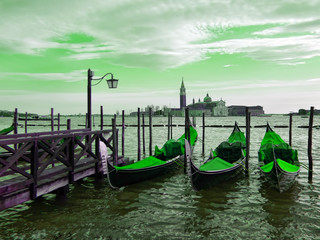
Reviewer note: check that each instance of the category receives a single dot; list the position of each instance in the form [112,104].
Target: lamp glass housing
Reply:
[112,83]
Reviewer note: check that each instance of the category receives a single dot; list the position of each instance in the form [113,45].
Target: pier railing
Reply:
[37,163]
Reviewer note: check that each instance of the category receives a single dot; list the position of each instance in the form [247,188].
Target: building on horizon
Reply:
[239,110]
[207,106]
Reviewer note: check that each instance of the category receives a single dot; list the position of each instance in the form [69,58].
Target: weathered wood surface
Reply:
[28,171]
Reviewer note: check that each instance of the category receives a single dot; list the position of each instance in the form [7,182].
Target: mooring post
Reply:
[310,172]
[138,134]
[186,136]
[58,121]
[52,123]
[26,123]
[15,125]
[171,126]
[143,136]
[150,131]
[98,174]
[168,126]
[290,130]
[203,132]
[71,155]
[68,124]
[114,139]
[101,117]
[122,139]
[194,122]
[34,170]
[247,138]
[15,121]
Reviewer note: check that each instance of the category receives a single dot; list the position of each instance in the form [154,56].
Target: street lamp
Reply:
[112,83]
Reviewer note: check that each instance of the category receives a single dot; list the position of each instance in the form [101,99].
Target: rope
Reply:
[307,168]
[179,164]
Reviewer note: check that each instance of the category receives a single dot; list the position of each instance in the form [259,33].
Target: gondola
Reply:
[278,161]
[226,161]
[164,160]
[7,130]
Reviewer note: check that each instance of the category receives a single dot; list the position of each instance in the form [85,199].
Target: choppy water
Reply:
[168,208]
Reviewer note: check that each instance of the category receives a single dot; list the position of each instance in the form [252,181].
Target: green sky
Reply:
[246,52]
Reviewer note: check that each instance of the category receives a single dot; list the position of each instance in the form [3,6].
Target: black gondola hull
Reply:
[120,178]
[280,179]
[206,179]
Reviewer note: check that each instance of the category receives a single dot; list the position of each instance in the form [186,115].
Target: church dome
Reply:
[207,98]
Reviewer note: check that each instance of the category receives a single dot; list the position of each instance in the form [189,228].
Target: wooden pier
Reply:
[38,163]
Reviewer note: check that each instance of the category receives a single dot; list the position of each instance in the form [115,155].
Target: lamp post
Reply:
[112,83]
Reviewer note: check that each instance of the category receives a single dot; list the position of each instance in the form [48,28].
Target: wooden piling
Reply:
[114,139]
[169,126]
[68,124]
[15,121]
[15,125]
[150,131]
[290,130]
[58,121]
[186,136]
[247,138]
[122,139]
[70,150]
[143,136]
[203,133]
[26,123]
[101,117]
[310,172]
[34,170]
[139,145]
[52,123]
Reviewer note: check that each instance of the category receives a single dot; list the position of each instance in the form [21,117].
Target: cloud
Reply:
[74,76]
[161,34]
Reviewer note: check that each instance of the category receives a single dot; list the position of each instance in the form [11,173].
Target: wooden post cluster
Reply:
[248,118]
[310,172]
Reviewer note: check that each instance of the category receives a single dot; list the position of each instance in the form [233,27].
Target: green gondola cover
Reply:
[216,164]
[173,148]
[230,150]
[7,130]
[147,162]
[273,146]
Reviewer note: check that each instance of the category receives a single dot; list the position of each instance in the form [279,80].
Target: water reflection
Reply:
[278,207]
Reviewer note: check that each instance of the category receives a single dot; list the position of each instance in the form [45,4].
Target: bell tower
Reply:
[183,100]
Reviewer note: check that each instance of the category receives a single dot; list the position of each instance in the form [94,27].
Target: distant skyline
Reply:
[246,52]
